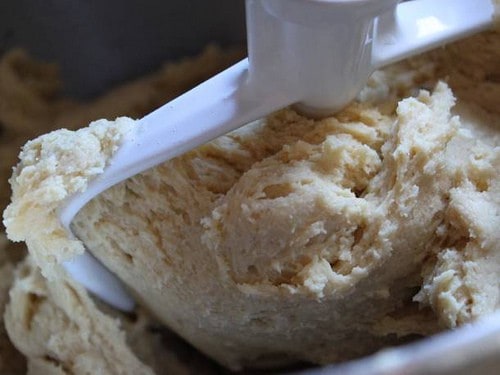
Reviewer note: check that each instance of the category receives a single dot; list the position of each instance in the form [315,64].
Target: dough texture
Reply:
[289,239]
[30,104]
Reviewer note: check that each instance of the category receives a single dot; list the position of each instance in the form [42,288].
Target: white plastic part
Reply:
[471,349]
[417,26]
[314,54]
[95,277]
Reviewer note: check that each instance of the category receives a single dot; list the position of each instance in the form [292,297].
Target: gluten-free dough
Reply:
[292,239]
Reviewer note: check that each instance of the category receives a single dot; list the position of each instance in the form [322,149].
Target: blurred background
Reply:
[101,43]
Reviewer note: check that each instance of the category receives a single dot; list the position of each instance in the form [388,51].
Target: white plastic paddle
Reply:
[314,54]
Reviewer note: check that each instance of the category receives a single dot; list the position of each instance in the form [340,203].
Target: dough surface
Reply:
[31,104]
[289,239]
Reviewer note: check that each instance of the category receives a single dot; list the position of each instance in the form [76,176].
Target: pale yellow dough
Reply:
[290,239]
[31,104]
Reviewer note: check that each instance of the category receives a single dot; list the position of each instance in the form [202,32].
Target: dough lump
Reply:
[297,239]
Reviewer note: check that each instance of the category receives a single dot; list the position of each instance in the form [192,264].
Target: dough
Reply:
[295,239]
[30,104]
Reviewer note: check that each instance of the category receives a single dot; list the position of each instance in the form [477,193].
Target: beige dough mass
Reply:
[294,239]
